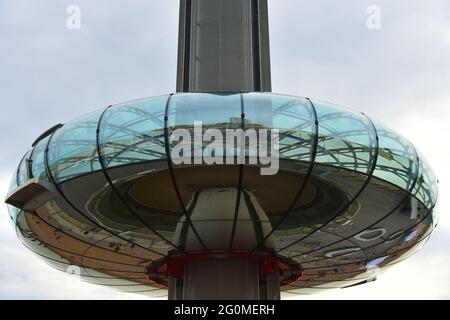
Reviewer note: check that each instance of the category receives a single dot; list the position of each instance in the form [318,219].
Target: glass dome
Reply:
[107,193]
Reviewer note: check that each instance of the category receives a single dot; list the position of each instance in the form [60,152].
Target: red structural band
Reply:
[173,265]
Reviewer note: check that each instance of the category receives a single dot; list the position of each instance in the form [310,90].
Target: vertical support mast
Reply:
[223,46]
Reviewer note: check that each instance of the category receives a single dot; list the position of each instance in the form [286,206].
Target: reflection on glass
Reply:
[31,241]
[38,158]
[73,148]
[428,190]
[13,212]
[435,213]
[397,159]
[13,183]
[22,176]
[211,108]
[346,139]
[293,117]
[216,112]
[133,132]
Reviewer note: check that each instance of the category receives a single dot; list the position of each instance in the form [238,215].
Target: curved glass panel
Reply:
[73,148]
[13,211]
[132,145]
[22,176]
[397,159]
[342,252]
[406,216]
[38,158]
[346,139]
[405,254]
[86,248]
[330,195]
[192,147]
[101,209]
[435,213]
[13,183]
[402,241]
[71,259]
[221,108]
[375,203]
[133,132]
[86,238]
[30,240]
[213,113]
[292,116]
[427,192]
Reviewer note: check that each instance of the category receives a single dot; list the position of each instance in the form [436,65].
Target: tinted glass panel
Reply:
[13,182]
[133,132]
[292,116]
[346,139]
[38,158]
[22,176]
[73,148]
[215,111]
[397,159]
[428,188]
[294,120]
[13,212]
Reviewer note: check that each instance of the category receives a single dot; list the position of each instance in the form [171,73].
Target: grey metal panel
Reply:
[272,287]
[214,223]
[184,22]
[264,46]
[221,279]
[223,46]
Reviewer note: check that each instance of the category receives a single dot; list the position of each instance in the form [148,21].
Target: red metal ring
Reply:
[173,265]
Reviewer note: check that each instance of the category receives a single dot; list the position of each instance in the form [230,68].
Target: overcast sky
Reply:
[126,49]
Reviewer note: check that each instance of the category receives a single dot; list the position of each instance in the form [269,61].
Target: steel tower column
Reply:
[223,46]
[222,272]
